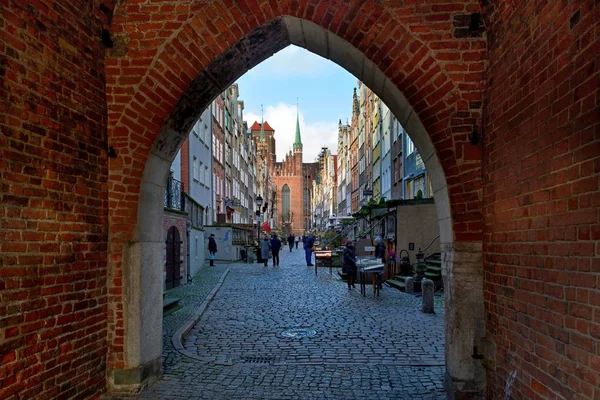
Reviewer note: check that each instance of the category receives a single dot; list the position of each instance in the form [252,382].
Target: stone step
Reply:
[396,284]
[433,275]
[434,262]
[170,302]
[434,269]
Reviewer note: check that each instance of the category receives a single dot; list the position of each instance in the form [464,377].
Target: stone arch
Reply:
[438,106]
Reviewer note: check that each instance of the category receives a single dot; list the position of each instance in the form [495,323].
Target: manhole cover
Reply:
[299,333]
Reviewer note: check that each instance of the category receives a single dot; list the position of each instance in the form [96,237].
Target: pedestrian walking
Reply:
[349,264]
[212,249]
[297,240]
[265,247]
[380,249]
[309,242]
[275,247]
[290,241]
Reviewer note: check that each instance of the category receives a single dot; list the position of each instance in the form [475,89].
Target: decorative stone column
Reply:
[143,287]
[409,285]
[462,269]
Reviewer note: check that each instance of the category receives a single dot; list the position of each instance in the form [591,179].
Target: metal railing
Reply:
[174,194]
[374,224]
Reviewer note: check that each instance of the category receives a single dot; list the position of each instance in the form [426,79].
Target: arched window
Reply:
[285,203]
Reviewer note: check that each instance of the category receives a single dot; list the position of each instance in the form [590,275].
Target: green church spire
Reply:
[298,140]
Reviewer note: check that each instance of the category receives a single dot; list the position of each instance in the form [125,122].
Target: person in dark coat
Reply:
[212,249]
[290,241]
[265,248]
[297,239]
[275,247]
[349,264]
[309,242]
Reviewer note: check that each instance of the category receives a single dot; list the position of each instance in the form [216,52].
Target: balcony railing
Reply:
[174,194]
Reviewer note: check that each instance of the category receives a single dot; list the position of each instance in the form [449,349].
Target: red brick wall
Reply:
[185,165]
[419,45]
[542,199]
[541,194]
[53,200]
[296,201]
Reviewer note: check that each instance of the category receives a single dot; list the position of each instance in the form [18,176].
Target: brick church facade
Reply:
[292,180]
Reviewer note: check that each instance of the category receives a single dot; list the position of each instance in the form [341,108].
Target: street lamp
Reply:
[420,266]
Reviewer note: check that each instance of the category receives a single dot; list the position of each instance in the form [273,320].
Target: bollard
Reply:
[409,285]
[427,289]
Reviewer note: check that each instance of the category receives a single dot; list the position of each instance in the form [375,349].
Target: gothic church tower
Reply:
[297,148]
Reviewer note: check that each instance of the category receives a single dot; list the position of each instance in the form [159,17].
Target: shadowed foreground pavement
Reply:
[357,347]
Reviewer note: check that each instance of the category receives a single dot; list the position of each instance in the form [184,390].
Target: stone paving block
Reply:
[365,347]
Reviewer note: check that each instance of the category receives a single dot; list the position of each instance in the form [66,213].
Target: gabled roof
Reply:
[256,127]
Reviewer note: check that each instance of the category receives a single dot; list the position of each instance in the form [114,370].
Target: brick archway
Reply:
[80,118]
[434,91]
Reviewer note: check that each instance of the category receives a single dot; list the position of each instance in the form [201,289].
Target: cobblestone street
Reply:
[357,347]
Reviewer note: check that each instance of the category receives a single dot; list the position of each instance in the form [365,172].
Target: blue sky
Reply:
[323,89]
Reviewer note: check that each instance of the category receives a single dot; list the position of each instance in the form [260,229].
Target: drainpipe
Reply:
[188,230]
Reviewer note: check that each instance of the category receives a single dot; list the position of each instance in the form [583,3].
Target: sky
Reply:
[322,89]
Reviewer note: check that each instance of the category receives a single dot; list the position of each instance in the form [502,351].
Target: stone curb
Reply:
[177,338]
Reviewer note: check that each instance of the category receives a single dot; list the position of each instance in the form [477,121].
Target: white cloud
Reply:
[295,61]
[282,118]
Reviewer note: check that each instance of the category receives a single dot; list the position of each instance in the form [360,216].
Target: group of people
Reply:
[293,239]
[270,246]
[273,246]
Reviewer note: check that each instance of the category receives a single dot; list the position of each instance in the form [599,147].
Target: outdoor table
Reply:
[373,266]
[324,257]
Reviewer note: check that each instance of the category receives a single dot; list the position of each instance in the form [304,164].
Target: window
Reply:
[195,168]
[419,161]
[200,172]
[206,177]
[410,147]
